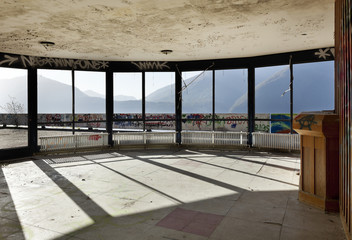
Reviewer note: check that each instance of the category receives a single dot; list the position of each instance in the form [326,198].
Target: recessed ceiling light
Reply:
[47,43]
[166,51]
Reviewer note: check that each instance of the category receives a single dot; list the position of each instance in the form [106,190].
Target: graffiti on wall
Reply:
[31,61]
[281,126]
[191,121]
[151,65]
[14,119]
[223,122]
[306,122]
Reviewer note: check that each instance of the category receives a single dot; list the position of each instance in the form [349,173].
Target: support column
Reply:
[73,102]
[143,100]
[109,98]
[178,106]
[32,110]
[291,94]
[213,102]
[251,103]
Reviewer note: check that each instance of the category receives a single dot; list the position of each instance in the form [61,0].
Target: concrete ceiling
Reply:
[138,29]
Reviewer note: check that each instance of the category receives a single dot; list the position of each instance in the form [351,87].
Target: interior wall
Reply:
[343,80]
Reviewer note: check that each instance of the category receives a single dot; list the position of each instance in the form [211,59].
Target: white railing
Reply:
[276,141]
[214,138]
[138,138]
[260,140]
[54,143]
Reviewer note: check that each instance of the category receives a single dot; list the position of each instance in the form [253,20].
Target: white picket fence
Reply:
[55,143]
[138,138]
[276,141]
[214,138]
[259,140]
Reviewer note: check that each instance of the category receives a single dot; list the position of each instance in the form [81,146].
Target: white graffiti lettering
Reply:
[30,61]
[151,65]
[9,60]
[324,53]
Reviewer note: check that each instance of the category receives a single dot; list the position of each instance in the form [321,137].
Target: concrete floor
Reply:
[168,195]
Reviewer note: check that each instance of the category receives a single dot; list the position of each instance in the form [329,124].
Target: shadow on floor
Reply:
[244,214]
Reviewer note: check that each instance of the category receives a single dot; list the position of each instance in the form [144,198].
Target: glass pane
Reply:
[313,86]
[54,91]
[54,103]
[13,108]
[128,93]
[90,93]
[231,91]
[272,90]
[160,92]
[197,92]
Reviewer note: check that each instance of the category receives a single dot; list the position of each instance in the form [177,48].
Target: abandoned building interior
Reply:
[160,119]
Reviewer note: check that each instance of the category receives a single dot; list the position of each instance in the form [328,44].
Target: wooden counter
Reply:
[319,179]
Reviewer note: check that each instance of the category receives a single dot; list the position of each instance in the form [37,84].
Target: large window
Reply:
[231,97]
[197,100]
[197,92]
[272,90]
[90,100]
[13,108]
[54,91]
[272,97]
[54,102]
[160,100]
[128,101]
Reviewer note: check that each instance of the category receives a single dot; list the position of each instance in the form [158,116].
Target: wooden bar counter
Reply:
[319,179]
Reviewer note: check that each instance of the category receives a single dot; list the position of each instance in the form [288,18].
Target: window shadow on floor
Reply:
[10,227]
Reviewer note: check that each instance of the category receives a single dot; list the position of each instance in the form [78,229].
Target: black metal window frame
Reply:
[32,64]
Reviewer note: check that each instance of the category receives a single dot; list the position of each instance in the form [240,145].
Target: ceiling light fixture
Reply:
[47,44]
[166,51]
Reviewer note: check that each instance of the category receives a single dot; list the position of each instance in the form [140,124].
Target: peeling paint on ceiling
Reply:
[139,29]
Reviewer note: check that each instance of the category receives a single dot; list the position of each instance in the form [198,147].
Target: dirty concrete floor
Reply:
[164,194]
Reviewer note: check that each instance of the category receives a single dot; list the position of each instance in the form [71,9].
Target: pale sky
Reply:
[8,73]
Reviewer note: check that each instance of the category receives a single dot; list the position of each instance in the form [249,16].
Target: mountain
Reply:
[313,90]
[124,98]
[91,93]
